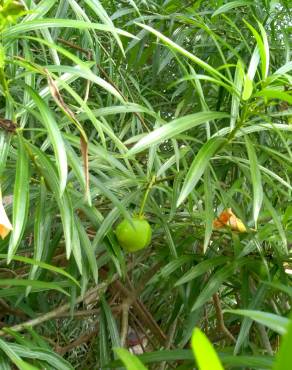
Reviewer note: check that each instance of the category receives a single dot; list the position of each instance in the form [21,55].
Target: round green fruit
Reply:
[134,237]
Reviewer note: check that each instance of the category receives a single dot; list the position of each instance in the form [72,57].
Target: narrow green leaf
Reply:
[282,247]
[231,5]
[76,248]
[88,249]
[199,165]
[275,322]
[184,52]
[110,195]
[253,64]
[22,365]
[40,233]
[130,361]
[111,324]
[38,24]
[49,172]
[284,69]
[4,148]
[254,362]
[170,268]
[174,128]
[209,211]
[55,137]
[39,10]
[266,50]
[101,13]
[20,199]
[275,94]
[215,282]
[256,179]
[255,302]
[4,362]
[263,49]
[201,268]
[42,354]
[278,286]
[205,355]
[235,102]
[104,346]
[32,283]
[81,69]
[247,88]
[42,265]
[284,356]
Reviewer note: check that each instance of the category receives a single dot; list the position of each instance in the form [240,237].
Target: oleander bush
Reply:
[176,113]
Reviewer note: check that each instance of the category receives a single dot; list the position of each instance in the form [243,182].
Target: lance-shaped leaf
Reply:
[199,165]
[55,137]
[49,173]
[129,360]
[275,322]
[20,199]
[255,178]
[174,128]
[205,355]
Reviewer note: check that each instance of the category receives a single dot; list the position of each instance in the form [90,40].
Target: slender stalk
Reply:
[150,185]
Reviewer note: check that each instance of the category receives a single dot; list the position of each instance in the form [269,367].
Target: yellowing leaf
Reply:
[228,218]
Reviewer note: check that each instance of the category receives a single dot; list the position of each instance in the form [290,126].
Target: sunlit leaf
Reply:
[205,355]
[130,361]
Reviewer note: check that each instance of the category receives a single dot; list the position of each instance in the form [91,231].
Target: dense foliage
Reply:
[178,110]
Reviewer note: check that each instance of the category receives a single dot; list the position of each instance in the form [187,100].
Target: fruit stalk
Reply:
[150,185]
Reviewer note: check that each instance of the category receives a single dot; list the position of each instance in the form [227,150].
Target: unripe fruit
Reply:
[135,236]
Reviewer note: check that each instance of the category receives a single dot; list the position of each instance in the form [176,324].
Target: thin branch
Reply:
[220,320]
[141,311]
[6,309]
[81,340]
[73,46]
[142,329]
[139,336]
[91,295]
[125,322]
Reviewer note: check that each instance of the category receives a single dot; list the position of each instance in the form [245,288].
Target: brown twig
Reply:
[125,322]
[89,296]
[141,328]
[141,311]
[81,340]
[6,309]
[220,320]
[80,313]
[73,46]
[140,336]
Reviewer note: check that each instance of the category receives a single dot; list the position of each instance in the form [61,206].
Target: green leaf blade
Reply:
[20,199]
[199,165]
[204,353]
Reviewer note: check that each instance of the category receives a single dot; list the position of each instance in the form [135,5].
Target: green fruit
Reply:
[134,237]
